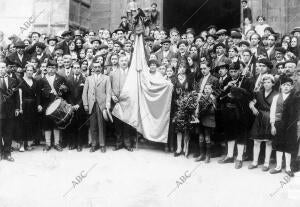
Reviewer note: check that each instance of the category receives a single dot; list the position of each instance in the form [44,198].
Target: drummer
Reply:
[52,86]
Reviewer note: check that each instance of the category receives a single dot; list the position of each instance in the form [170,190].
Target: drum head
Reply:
[53,107]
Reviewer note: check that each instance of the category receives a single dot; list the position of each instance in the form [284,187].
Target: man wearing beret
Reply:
[236,37]
[164,51]
[19,57]
[222,37]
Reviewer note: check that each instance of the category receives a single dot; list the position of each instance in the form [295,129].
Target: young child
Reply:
[207,106]
[283,118]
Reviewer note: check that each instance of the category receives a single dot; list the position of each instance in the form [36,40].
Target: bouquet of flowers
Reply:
[186,106]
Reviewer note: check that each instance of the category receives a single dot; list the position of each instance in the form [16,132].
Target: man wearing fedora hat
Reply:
[19,57]
[64,45]
[96,97]
[164,51]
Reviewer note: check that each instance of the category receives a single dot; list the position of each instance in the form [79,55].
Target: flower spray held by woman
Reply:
[186,105]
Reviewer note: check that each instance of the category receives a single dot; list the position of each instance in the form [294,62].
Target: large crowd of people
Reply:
[235,92]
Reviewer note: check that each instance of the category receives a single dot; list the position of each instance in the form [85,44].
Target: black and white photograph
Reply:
[149,103]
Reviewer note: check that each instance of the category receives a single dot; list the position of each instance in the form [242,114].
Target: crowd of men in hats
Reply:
[246,82]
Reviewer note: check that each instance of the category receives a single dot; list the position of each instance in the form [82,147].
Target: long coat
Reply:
[8,102]
[13,59]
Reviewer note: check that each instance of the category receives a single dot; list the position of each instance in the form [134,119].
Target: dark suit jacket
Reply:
[13,59]
[159,55]
[76,88]
[8,101]
[44,97]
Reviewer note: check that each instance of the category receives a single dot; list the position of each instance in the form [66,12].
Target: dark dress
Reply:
[183,113]
[261,128]
[29,106]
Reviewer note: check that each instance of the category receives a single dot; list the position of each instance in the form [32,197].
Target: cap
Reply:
[52,37]
[95,39]
[266,62]
[40,45]
[244,42]
[220,44]
[65,33]
[20,44]
[221,32]
[236,35]
[165,41]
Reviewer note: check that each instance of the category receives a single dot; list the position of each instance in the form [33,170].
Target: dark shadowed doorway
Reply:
[222,13]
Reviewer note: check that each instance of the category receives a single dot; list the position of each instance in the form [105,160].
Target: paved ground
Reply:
[144,178]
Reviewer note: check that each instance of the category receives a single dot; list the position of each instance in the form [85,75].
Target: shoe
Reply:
[130,149]
[79,149]
[29,148]
[58,147]
[200,158]
[72,147]
[265,168]
[207,159]
[238,164]
[172,149]
[103,149]
[166,148]
[251,166]
[226,160]
[196,155]
[176,154]
[117,147]
[46,148]
[94,148]
[9,158]
[290,173]
[21,149]
[274,171]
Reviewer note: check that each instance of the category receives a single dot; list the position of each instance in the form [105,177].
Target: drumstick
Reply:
[20,96]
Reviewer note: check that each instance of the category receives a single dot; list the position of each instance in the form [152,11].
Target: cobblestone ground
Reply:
[143,178]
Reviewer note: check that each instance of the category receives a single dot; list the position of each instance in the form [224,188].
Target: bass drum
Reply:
[61,113]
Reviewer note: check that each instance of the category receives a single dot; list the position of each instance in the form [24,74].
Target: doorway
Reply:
[199,14]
